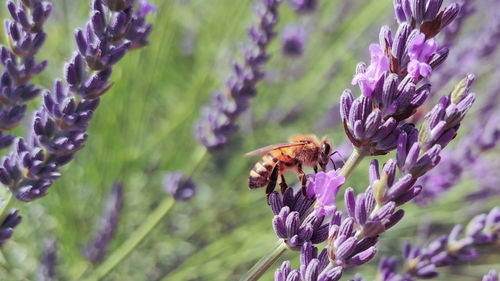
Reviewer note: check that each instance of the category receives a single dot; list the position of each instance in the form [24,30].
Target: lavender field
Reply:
[124,126]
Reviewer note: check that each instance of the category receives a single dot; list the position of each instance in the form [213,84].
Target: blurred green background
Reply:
[143,127]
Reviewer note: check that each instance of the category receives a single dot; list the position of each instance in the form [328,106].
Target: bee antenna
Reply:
[340,156]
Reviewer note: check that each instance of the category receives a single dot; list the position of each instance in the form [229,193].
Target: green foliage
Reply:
[144,126]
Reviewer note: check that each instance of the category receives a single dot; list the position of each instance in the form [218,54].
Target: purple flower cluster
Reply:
[180,188]
[314,267]
[394,85]
[293,223]
[217,122]
[97,248]
[450,249]
[25,37]
[352,239]
[325,187]
[60,125]
[471,149]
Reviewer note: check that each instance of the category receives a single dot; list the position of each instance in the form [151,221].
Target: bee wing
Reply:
[268,148]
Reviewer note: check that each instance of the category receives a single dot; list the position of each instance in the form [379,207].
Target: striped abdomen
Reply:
[259,175]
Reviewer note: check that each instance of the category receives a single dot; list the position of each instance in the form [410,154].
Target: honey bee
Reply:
[302,150]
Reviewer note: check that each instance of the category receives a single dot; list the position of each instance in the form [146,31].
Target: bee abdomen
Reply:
[259,175]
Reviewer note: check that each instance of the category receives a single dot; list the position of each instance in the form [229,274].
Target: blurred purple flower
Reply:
[491,276]
[368,78]
[177,186]
[218,121]
[48,261]
[8,224]
[304,6]
[146,8]
[419,51]
[325,187]
[446,250]
[97,248]
[294,39]
[443,177]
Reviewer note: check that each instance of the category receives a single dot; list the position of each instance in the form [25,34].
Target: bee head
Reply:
[324,156]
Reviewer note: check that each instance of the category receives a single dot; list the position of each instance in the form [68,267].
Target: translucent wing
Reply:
[268,148]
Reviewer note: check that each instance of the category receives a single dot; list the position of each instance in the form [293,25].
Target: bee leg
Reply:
[283,184]
[302,179]
[315,169]
[273,178]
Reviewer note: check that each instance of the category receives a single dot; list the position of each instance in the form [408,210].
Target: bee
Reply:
[302,150]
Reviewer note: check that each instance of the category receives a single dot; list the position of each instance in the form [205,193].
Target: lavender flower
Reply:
[313,267]
[217,122]
[48,261]
[491,276]
[392,88]
[304,6]
[293,223]
[452,30]
[440,125]
[419,51]
[96,249]
[422,263]
[59,126]
[425,14]
[325,187]
[368,78]
[8,224]
[294,39]
[25,36]
[178,187]
[353,239]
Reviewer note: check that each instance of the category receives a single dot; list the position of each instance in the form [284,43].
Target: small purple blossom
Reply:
[419,51]
[294,39]
[491,276]
[325,187]
[177,186]
[146,8]
[368,78]
[8,224]
[304,6]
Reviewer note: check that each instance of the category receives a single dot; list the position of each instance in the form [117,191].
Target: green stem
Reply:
[352,162]
[145,228]
[265,262]
[6,205]
[119,254]
[270,258]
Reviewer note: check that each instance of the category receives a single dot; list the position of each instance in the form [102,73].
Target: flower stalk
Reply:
[135,238]
[265,262]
